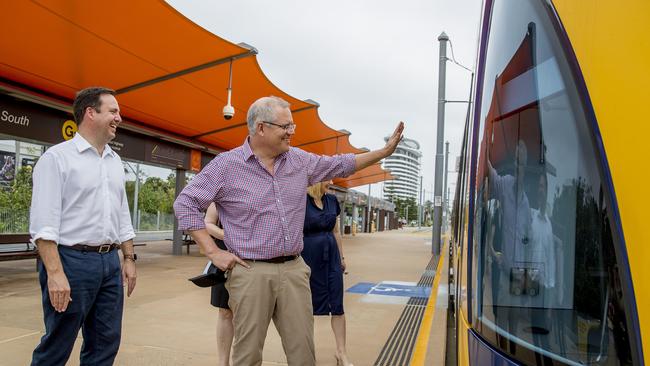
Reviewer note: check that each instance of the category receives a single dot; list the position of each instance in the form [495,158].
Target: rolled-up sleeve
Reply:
[45,211]
[321,167]
[197,196]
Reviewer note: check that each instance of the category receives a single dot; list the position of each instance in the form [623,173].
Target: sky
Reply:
[368,63]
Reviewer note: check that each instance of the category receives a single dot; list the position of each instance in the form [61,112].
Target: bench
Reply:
[186,240]
[17,243]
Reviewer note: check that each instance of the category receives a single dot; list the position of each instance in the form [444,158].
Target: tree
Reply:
[577,221]
[151,197]
[16,201]
[401,205]
[427,217]
[19,196]
[130,192]
[412,209]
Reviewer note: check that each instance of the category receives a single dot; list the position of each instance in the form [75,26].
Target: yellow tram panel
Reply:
[612,45]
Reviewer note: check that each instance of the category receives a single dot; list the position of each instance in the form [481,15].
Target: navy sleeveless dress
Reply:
[322,255]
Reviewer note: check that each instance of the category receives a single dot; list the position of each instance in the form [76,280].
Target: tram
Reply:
[549,241]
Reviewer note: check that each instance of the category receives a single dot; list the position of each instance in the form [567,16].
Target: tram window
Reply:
[547,278]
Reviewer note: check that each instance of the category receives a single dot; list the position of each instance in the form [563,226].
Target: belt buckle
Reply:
[104,248]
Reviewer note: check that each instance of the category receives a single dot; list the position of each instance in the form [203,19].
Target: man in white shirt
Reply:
[79,218]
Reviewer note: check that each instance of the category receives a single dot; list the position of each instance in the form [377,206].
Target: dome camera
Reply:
[228,112]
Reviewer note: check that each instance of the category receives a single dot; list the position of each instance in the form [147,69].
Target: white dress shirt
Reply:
[515,219]
[79,197]
[542,247]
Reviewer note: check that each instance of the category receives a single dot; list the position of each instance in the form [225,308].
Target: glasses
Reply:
[289,127]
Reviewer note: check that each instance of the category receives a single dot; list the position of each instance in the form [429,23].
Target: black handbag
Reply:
[211,276]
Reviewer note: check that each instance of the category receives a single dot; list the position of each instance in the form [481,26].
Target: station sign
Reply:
[27,120]
[31,121]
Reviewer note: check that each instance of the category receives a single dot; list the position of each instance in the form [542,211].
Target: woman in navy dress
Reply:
[324,255]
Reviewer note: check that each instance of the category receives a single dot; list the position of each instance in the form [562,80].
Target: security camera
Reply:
[228,112]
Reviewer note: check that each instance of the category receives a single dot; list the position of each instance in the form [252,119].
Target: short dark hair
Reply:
[88,97]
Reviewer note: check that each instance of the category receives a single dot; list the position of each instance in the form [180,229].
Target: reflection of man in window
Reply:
[489,221]
[509,191]
[542,247]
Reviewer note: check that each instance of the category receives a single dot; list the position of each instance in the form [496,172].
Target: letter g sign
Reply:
[68,129]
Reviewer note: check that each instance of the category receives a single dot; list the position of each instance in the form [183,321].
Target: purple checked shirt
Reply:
[262,213]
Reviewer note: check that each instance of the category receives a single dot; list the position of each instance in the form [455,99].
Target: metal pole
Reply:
[448,211]
[177,234]
[355,219]
[19,161]
[136,191]
[444,202]
[407,215]
[342,218]
[437,200]
[420,207]
[369,210]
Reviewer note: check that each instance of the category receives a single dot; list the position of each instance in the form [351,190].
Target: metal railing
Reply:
[154,222]
[12,221]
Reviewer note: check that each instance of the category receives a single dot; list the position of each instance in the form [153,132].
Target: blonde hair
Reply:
[316,191]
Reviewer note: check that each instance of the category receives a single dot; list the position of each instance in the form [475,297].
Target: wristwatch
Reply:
[133,257]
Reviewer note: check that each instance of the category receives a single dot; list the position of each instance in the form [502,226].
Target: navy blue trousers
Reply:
[96,308]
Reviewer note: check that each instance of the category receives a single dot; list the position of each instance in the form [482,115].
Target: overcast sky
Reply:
[369,63]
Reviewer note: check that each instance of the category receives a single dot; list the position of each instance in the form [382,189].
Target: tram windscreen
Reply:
[544,261]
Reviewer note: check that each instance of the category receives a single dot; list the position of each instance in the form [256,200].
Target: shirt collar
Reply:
[82,145]
[248,152]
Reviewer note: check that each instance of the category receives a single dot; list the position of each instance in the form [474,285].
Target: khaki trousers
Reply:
[272,291]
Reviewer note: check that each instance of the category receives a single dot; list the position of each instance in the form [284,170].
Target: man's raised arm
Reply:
[366,159]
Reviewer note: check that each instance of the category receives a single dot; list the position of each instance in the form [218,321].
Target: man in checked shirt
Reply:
[259,190]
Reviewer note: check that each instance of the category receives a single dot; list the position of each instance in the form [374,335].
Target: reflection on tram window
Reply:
[549,287]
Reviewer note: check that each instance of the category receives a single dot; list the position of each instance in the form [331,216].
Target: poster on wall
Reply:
[31,161]
[7,168]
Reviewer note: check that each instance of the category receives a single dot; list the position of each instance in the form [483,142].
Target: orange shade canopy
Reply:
[171,75]
[372,174]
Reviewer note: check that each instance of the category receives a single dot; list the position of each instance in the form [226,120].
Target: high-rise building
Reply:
[404,165]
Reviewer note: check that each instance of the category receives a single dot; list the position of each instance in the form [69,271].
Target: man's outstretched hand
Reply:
[366,159]
[391,145]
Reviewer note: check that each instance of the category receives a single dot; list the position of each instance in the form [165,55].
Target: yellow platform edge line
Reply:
[422,341]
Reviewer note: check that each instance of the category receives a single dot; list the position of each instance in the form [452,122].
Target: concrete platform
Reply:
[169,321]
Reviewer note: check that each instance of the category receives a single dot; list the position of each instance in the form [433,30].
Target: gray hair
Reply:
[264,109]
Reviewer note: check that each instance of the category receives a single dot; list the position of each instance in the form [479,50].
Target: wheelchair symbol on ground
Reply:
[391,288]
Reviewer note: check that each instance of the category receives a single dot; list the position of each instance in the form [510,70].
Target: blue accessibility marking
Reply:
[390,289]
[361,288]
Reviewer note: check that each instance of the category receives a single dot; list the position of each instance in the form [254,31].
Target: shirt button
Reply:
[278,200]
[286,238]
[283,219]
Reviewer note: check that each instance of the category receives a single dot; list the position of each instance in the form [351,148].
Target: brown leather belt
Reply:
[103,248]
[282,259]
